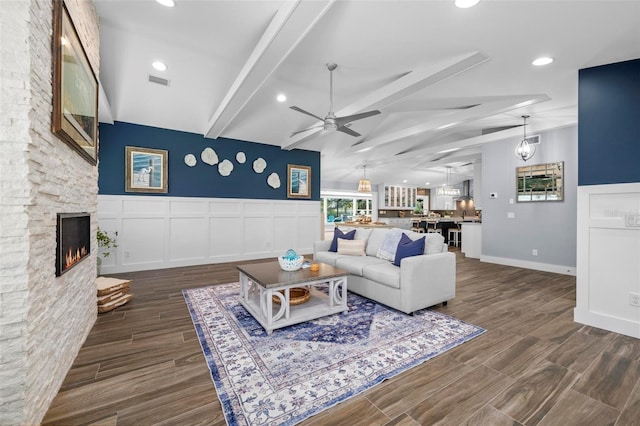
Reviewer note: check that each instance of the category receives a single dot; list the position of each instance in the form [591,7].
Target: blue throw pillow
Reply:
[337,233]
[407,248]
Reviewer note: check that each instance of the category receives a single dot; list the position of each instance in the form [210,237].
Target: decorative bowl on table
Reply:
[290,261]
[290,264]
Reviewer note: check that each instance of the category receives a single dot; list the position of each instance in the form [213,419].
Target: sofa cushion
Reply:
[351,247]
[337,233]
[408,248]
[362,233]
[387,250]
[376,237]
[384,273]
[356,264]
[433,242]
[327,257]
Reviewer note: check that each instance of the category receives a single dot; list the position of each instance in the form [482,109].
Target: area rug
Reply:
[301,370]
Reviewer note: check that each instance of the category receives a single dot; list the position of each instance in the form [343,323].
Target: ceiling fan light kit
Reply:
[525,150]
[330,121]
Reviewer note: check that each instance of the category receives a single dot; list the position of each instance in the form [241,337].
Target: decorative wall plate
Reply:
[190,160]
[225,167]
[209,156]
[274,180]
[259,165]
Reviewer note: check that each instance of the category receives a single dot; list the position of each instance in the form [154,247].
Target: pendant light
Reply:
[525,150]
[364,185]
[447,189]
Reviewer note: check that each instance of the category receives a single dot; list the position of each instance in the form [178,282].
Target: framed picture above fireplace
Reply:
[75,88]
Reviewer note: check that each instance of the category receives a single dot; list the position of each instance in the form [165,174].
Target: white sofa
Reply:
[420,281]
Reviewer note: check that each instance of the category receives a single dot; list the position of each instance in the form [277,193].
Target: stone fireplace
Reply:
[73,240]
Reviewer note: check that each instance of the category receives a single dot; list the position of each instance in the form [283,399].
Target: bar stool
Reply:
[454,235]
[434,229]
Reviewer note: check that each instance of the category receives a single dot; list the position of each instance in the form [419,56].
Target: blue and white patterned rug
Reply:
[304,369]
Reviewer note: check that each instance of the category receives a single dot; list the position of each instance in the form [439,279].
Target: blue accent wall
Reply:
[202,180]
[609,124]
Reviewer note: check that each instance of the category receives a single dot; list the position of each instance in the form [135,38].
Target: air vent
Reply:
[158,80]
[534,140]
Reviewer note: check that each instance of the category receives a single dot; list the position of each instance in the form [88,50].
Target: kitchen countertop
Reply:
[364,225]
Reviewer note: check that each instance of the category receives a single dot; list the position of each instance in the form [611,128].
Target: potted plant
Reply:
[106,243]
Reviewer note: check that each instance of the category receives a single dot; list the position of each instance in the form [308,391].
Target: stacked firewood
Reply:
[112,292]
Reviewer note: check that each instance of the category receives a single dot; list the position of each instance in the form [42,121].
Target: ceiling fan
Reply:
[331,122]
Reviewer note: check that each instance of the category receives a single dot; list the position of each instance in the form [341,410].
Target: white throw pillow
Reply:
[351,247]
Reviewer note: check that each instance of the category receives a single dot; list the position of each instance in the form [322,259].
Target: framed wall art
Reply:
[146,170]
[75,88]
[299,181]
[540,182]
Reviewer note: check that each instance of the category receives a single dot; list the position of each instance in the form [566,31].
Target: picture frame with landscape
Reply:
[298,181]
[146,170]
[75,88]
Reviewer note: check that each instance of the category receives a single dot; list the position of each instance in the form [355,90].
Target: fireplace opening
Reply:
[73,240]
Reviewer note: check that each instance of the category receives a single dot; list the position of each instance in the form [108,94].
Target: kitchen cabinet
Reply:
[398,197]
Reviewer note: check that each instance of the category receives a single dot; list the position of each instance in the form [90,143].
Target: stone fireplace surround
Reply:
[40,176]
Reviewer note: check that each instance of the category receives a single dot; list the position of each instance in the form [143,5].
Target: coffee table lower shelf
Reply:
[258,301]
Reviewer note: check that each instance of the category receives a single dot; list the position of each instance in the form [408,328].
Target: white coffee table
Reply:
[260,283]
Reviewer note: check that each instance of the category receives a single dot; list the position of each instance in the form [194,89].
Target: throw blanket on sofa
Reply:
[387,250]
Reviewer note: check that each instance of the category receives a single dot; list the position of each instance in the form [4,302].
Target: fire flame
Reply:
[71,258]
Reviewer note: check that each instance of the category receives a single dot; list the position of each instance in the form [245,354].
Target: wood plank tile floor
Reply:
[142,363]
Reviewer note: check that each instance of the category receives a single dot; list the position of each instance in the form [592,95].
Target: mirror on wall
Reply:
[540,182]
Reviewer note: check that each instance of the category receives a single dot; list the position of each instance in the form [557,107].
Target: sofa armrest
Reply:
[428,279]
[323,245]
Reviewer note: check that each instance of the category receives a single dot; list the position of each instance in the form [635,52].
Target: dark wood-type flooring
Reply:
[142,363]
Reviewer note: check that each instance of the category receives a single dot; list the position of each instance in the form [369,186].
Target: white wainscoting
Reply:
[166,232]
[608,257]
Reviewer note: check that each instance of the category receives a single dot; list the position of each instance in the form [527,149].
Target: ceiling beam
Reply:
[287,29]
[104,107]
[442,124]
[483,139]
[404,86]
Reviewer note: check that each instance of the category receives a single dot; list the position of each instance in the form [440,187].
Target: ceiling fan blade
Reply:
[306,130]
[295,108]
[348,131]
[341,121]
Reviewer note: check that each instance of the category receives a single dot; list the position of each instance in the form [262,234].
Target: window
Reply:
[344,207]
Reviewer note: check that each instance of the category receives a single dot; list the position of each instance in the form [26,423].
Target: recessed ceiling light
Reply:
[281,98]
[545,60]
[160,66]
[426,183]
[404,181]
[168,3]
[465,4]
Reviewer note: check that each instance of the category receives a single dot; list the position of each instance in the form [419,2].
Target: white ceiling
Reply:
[439,75]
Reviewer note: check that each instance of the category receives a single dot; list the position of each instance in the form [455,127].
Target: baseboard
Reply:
[606,322]
[545,267]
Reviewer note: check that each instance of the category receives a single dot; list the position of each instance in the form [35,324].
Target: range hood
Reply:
[466,185]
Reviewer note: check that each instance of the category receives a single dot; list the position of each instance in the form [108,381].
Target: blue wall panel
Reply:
[609,124]
[202,180]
